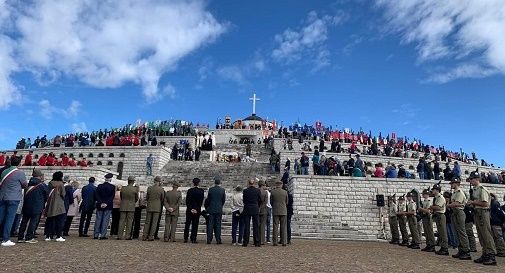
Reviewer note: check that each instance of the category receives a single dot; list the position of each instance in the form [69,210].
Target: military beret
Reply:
[157,179]
[474,175]
[109,175]
[409,194]
[455,180]
[131,178]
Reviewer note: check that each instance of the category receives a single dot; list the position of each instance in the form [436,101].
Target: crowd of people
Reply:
[24,203]
[364,143]
[356,167]
[129,135]
[455,213]
[46,159]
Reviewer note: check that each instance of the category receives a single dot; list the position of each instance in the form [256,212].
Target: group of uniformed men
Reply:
[433,207]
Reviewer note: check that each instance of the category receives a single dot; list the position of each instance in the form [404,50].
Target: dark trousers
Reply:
[158,226]
[68,222]
[54,225]
[214,226]
[114,226]
[289,227]
[247,229]
[136,223]
[237,223]
[84,222]
[30,221]
[191,219]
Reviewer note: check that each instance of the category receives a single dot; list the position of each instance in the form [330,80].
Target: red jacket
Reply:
[2,159]
[64,160]
[42,160]
[83,163]
[28,160]
[50,161]
[72,163]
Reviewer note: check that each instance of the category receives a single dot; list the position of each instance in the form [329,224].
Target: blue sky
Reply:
[433,70]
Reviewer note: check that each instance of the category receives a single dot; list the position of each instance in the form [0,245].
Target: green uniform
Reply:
[263,213]
[172,201]
[279,200]
[402,221]
[440,220]
[154,197]
[412,220]
[482,220]
[393,222]
[129,196]
[458,220]
[428,223]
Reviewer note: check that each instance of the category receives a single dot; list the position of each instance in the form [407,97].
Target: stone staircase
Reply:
[317,227]
[258,151]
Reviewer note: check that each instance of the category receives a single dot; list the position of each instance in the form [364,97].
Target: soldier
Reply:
[129,196]
[427,221]
[279,200]
[393,220]
[154,197]
[438,212]
[214,206]
[469,226]
[172,202]
[402,220]
[458,201]
[481,201]
[263,210]
[412,221]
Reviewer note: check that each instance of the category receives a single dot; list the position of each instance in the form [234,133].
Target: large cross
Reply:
[254,99]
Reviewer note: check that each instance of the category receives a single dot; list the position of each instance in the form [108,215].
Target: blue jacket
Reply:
[105,194]
[69,196]
[88,198]
[215,200]
[391,173]
[35,197]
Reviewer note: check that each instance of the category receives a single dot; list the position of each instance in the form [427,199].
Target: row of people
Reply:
[488,218]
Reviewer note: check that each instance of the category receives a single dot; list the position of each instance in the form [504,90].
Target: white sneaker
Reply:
[60,239]
[8,243]
[32,241]
[48,239]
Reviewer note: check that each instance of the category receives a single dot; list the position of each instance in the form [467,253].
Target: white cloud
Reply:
[169,91]
[104,44]
[308,41]
[79,127]
[469,33]
[47,109]
[233,73]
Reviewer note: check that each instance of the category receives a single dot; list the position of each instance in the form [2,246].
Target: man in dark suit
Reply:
[194,201]
[252,202]
[104,196]
[87,206]
[214,206]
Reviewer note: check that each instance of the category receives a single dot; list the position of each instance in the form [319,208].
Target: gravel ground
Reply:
[88,255]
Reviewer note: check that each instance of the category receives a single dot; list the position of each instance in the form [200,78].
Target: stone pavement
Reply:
[88,255]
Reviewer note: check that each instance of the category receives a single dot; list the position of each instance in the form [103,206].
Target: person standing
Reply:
[237,222]
[12,183]
[481,202]
[279,213]
[214,206]
[393,220]
[72,207]
[402,220]
[427,221]
[154,197]
[150,164]
[87,207]
[497,222]
[35,199]
[252,201]
[104,196]
[194,201]
[139,206]
[263,211]
[457,205]
[469,227]
[290,212]
[172,203]
[116,211]
[438,211]
[129,196]
[55,209]
[412,221]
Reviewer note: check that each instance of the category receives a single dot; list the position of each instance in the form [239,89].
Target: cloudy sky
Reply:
[427,69]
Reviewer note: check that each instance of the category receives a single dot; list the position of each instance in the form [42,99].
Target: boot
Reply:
[465,256]
[429,249]
[404,243]
[393,242]
[481,259]
[442,251]
[490,260]
[457,255]
[415,246]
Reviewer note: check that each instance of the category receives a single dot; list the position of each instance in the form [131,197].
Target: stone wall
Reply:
[323,206]
[79,174]
[132,159]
